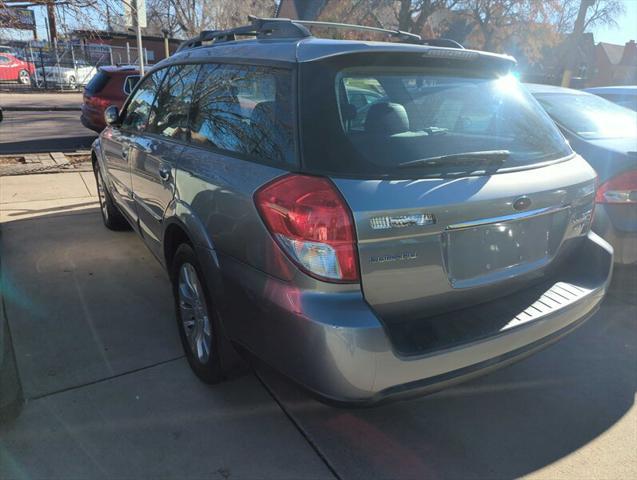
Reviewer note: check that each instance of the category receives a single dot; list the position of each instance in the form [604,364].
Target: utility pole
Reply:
[50,13]
[573,41]
[135,13]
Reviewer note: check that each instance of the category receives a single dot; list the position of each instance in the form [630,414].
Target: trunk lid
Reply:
[438,244]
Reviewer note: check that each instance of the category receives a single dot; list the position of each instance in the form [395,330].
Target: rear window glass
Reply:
[406,121]
[98,82]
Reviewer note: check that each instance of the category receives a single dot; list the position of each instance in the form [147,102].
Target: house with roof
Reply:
[614,64]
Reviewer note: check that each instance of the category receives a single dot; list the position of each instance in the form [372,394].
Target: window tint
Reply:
[170,113]
[244,109]
[98,82]
[139,108]
[385,117]
[4,59]
[129,83]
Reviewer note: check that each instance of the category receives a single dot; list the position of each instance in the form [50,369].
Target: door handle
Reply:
[164,173]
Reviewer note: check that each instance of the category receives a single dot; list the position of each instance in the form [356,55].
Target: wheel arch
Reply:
[181,225]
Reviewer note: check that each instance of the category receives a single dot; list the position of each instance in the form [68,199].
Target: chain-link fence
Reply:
[66,66]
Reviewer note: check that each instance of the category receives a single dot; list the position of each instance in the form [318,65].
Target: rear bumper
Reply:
[90,121]
[335,346]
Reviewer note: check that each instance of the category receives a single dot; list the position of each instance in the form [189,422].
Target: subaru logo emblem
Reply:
[522,203]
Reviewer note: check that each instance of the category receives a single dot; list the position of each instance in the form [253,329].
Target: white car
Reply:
[66,76]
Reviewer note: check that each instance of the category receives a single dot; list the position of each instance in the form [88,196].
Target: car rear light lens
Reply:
[620,189]
[311,222]
[98,102]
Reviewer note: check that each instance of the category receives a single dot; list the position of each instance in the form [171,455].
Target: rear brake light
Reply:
[312,224]
[98,102]
[619,189]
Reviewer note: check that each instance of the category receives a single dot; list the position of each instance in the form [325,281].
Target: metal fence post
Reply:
[110,53]
[46,85]
[35,70]
[128,53]
[74,67]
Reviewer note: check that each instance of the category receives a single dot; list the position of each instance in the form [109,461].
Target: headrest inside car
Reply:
[387,119]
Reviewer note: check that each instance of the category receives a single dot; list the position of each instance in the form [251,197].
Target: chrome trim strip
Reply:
[506,218]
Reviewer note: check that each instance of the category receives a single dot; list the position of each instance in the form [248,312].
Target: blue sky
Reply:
[625,31]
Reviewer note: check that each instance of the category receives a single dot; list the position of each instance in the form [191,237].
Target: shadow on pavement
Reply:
[55,144]
[109,392]
[504,425]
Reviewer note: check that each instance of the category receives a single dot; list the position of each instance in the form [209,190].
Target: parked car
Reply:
[605,134]
[71,75]
[14,69]
[626,95]
[449,236]
[110,86]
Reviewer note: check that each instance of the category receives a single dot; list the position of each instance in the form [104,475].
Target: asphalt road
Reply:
[43,131]
[110,394]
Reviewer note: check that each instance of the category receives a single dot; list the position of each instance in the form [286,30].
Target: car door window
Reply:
[170,117]
[245,110]
[139,108]
[129,83]
[4,60]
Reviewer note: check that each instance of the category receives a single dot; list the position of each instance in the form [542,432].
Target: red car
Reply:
[14,69]
[110,86]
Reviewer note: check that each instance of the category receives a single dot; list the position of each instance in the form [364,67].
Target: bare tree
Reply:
[589,13]
[193,16]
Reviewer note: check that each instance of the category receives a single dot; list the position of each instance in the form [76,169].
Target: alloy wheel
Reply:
[101,194]
[24,78]
[194,313]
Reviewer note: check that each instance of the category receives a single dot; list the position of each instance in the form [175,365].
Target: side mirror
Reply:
[111,115]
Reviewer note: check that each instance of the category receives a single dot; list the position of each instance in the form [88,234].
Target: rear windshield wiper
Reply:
[486,157]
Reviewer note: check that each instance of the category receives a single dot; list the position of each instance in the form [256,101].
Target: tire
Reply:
[72,83]
[24,78]
[111,216]
[208,351]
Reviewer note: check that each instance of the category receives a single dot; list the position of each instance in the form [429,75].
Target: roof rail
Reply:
[286,28]
[259,27]
[348,26]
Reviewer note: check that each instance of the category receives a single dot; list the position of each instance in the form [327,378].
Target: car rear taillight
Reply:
[309,219]
[98,102]
[619,189]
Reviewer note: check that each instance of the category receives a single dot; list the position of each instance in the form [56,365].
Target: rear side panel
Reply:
[477,247]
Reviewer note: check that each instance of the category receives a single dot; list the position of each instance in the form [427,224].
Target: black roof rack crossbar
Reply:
[286,28]
[259,27]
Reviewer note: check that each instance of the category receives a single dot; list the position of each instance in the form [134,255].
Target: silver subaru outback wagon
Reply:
[372,219]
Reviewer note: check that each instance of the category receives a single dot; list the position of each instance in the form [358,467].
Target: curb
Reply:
[42,109]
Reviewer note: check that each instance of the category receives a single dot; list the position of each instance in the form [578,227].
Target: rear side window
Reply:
[170,117]
[403,118]
[139,108]
[129,83]
[245,110]
[98,82]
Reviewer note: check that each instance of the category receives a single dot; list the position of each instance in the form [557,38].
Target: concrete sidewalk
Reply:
[108,392]
[40,101]
[27,196]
